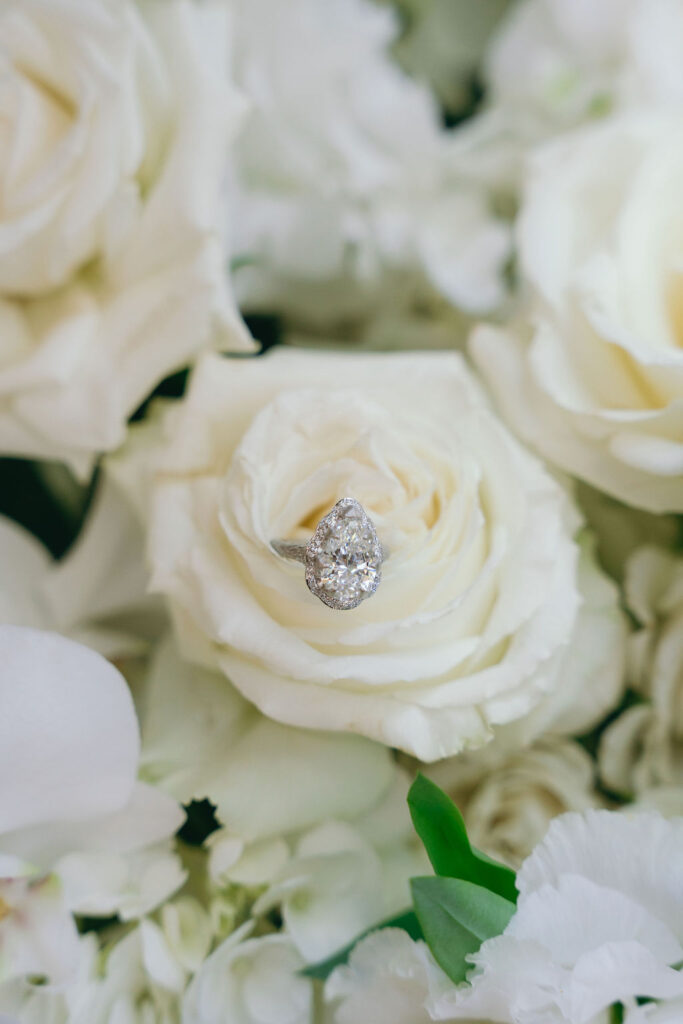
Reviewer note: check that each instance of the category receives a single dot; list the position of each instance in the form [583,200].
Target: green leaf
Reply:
[456,917]
[440,826]
[407,922]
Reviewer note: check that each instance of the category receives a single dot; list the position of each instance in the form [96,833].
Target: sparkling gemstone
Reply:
[344,557]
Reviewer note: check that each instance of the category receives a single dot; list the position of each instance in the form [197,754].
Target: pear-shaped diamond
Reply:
[344,557]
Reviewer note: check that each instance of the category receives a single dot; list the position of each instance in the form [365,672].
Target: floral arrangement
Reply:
[341,484]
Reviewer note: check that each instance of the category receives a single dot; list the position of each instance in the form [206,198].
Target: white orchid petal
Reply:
[69,739]
[148,817]
[202,739]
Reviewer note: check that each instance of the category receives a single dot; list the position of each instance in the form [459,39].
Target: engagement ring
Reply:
[343,558]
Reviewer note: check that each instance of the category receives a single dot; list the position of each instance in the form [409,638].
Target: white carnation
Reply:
[599,921]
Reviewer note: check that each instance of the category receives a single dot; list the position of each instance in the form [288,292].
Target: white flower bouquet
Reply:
[341,508]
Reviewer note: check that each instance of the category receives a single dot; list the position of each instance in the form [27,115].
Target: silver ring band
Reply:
[291,549]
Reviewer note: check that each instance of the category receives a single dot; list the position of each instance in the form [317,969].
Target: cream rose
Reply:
[114,130]
[479,595]
[508,807]
[596,382]
[74,134]
[641,753]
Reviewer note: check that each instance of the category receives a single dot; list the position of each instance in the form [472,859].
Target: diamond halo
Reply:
[344,557]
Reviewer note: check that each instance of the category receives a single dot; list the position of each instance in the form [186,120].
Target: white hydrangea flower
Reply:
[142,982]
[139,976]
[346,188]
[23,1001]
[389,979]
[251,980]
[333,847]
[552,66]
[38,936]
[557,64]
[338,884]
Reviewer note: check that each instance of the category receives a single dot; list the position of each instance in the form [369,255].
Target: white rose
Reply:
[591,673]
[113,148]
[599,921]
[479,595]
[347,192]
[508,807]
[75,135]
[596,383]
[643,749]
